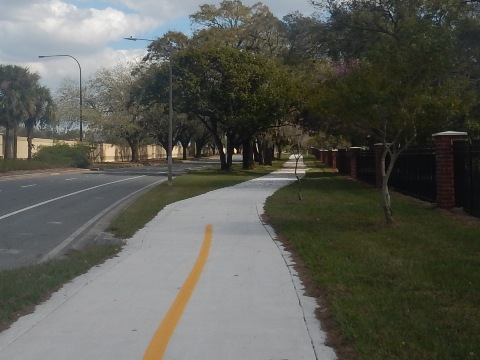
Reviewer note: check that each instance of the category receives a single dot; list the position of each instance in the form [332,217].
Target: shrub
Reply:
[63,155]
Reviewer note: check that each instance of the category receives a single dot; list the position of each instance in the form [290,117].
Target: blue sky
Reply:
[93,30]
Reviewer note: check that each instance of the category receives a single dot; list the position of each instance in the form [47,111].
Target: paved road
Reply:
[41,215]
[204,280]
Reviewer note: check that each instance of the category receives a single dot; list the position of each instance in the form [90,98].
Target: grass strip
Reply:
[407,291]
[7,165]
[21,289]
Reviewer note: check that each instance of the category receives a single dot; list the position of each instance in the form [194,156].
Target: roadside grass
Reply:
[407,291]
[21,289]
[16,165]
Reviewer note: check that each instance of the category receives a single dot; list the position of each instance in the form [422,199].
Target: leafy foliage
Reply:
[119,117]
[234,92]
[22,99]
[63,155]
[400,75]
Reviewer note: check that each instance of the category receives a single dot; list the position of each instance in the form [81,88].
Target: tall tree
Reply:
[306,38]
[400,74]
[66,103]
[233,24]
[233,92]
[119,118]
[39,111]
[17,86]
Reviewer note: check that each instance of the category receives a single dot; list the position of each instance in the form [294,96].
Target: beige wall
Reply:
[101,152]
[22,145]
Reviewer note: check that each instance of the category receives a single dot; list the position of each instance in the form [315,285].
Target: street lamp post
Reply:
[170,107]
[81,97]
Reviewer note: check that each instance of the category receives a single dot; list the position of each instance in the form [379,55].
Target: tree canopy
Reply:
[22,100]
[400,72]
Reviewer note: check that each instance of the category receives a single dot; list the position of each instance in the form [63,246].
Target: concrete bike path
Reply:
[204,280]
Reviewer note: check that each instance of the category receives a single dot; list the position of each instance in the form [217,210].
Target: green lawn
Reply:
[21,289]
[407,291]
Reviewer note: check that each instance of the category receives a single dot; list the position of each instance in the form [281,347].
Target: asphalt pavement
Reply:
[206,279]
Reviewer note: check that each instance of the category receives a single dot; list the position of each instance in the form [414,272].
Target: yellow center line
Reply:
[161,338]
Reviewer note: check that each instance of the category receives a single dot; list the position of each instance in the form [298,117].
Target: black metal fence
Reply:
[414,173]
[343,163]
[366,167]
[466,155]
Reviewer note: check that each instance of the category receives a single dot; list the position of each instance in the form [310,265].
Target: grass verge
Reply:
[21,289]
[408,291]
[16,165]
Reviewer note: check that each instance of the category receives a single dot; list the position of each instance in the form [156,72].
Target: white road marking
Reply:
[65,196]
[10,251]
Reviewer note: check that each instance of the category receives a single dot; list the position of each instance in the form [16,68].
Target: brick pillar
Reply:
[353,154]
[315,152]
[334,154]
[324,156]
[445,169]
[379,148]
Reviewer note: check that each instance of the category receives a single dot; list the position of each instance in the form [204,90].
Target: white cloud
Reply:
[90,29]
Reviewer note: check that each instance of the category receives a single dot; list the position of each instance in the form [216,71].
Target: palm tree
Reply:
[39,112]
[16,92]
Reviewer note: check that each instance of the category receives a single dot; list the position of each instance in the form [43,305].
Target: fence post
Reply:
[353,154]
[325,156]
[445,168]
[334,155]
[315,152]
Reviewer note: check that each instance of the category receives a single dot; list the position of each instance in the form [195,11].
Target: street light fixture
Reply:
[170,107]
[81,97]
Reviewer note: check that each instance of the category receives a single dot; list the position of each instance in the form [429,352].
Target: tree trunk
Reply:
[198,150]
[223,161]
[279,153]
[247,155]
[256,155]
[134,148]
[7,141]
[230,150]
[386,200]
[261,152]
[15,149]
[268,154]
[30,146]
[184,150]
[387,205]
